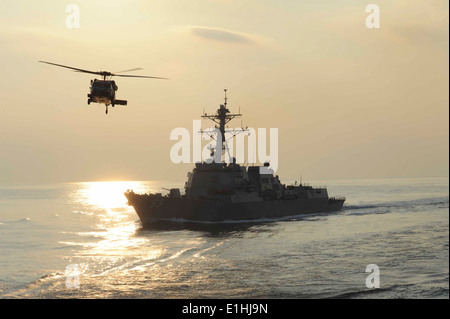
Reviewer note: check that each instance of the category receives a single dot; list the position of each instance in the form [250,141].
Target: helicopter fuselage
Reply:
[104,92]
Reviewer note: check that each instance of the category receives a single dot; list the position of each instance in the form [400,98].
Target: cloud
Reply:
[422,34]
[221,35]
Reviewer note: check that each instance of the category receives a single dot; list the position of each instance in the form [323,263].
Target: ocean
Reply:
[82,240]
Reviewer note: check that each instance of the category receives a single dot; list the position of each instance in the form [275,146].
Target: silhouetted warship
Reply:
[217,192]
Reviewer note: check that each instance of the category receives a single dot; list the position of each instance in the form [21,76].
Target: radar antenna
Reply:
[222,117]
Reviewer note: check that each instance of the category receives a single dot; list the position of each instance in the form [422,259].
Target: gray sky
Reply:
[348,101]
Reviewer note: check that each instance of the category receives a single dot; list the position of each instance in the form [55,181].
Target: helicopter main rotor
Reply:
[105,74]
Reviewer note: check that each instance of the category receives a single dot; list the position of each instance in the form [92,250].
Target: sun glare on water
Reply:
[107,195]
[108,248]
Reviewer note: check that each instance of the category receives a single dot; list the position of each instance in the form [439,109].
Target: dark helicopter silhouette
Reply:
[104,91]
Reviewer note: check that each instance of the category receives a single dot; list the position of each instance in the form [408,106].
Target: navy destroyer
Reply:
[217,191]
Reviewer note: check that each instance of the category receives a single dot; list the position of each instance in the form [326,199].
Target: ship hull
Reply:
[151,209]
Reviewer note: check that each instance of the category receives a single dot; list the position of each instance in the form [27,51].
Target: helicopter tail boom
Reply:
[120,102]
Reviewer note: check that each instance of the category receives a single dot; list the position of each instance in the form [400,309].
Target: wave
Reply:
[83,213]
[383,208]
[388,292]
[34,288]
[240,221]
[395,291]
[22,220]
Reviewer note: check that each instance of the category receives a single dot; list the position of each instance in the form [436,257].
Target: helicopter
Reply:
[103,91]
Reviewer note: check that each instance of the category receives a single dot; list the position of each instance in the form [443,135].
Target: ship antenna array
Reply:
[225,90]
[222,117]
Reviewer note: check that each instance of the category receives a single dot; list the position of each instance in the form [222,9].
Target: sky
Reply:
[348,101]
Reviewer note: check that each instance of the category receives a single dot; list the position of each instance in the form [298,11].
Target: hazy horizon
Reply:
[348,101]
[165,182]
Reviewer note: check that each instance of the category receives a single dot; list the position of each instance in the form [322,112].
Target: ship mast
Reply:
[222,117]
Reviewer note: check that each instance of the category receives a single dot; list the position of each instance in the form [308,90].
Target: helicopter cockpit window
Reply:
[99,84]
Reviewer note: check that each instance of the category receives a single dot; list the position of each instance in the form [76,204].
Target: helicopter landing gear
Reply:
[106,109]
[89,101]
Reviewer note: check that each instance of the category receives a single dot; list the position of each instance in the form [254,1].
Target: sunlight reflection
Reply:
[107,195]
[113,245]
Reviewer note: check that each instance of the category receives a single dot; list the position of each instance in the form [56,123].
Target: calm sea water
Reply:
[52,233]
